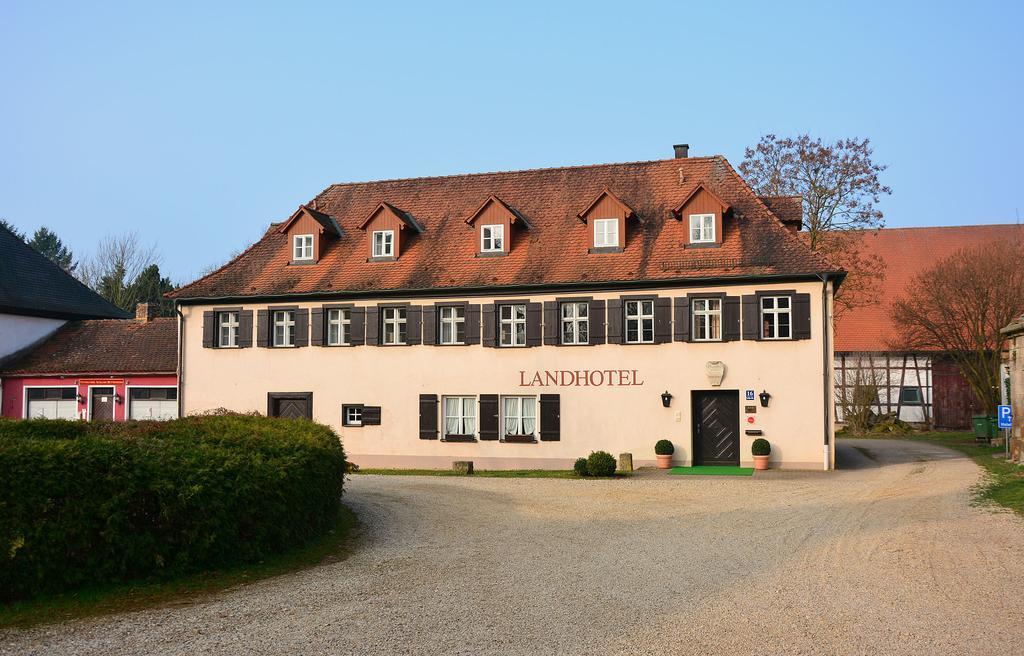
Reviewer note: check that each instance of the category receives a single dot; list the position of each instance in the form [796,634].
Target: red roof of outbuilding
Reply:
[906,253]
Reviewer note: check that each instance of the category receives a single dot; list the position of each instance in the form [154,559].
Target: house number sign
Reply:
[581,378]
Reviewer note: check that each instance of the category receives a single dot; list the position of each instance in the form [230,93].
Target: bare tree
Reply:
[117,264]
[840,187]
[959,305]
[858,398]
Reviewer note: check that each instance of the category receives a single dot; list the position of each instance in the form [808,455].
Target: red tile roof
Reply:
[906,252]
[103,346]
[552,251]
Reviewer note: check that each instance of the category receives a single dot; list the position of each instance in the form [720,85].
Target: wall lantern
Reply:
[666,399]
[117,398]
[80,398]
[765,398]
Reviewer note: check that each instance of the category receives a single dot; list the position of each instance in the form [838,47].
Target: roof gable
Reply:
[701,188]
[513,215]
[606,193]
[406,219]
[330,226]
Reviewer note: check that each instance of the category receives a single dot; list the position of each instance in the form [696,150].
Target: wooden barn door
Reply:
[952,397]
[298,405]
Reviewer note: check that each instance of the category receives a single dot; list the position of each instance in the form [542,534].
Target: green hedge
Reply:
[84,504]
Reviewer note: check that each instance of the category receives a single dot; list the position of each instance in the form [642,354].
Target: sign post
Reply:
[1005,416]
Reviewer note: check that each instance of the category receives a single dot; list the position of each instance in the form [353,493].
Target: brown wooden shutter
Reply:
[681,320]
[209,328]
[615,332]
[595,317]
[263,328]
[534,311]
[428,416]
[372,326]
[801,304]
[731,318]
[472,324]
[488,416]
[413,324]
[550,417]
[357,319]
[302,327]
[245,329]
[751,318]
[551,323]
[316,324]
[489,315]
[371,415]
[662,320]
[430,324]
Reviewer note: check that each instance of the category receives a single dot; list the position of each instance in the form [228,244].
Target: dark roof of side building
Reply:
[32,285]
[551,251]
[103,346]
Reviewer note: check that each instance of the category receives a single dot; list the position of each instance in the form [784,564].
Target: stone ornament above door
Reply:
[715,370]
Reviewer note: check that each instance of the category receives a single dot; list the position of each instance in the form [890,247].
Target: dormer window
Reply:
[308,232]
[384,243]
[497,227]
[492,238]
[390,231]
[702,228]
[302,248]
[606,233]
[606,217]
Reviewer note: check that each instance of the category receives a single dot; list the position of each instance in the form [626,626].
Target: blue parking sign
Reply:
[1005,415]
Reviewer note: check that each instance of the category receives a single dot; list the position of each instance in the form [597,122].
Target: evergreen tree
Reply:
[46,242]
[10,226]
[150,287]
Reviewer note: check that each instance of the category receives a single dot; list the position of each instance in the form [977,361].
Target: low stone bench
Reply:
[464,467]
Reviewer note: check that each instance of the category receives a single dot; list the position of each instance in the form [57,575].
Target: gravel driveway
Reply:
[886,556]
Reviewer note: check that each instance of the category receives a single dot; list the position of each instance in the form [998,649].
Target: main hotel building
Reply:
[523,319]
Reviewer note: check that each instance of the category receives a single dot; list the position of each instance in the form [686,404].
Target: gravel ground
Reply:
[886,556]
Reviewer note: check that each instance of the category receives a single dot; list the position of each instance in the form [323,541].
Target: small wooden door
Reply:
[716,427]
[297,405]
[101,401]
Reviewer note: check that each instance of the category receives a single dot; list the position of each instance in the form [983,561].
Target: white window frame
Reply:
[355,412]
[569,315]
[641,318]
[702,228]
[128,399]
[606,233]
[284,319]
[394,318]
[25,400]
[302,248]
[514,417]
[227,319]
[772,313]
[457,315]
[492,238]
[516,338]
[712,331]
[465,408]
[385,247]
[339,319]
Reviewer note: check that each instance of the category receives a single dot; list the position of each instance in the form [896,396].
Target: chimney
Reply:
[682,150]
[144,312]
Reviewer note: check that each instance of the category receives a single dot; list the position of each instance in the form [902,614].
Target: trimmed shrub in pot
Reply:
[664,449]
[761,450]
[601,463]
[581,467]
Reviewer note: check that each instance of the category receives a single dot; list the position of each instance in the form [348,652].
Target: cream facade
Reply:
[616,406]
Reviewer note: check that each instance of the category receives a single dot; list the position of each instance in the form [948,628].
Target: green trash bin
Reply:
[985,427]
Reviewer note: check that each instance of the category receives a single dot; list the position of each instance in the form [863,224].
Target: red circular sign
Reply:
[750,420]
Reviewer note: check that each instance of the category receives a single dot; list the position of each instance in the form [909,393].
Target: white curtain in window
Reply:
[529,415]
[451,416]
[511,415]
[469,415]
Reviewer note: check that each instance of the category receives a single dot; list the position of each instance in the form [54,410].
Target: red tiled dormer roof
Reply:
[553,252]
[906,253]
[103,346]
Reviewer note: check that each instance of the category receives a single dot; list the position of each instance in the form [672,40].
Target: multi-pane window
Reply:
[227,323]
[911,396]
[302,247]
[393,323]
[702,228]
[707,319]
[640,322]
[338,327]
[459,415]
[606,233]
[352,415]
[452,322]
[575,323]
[492,238]
[384,243]
[520,415]
[52,403]
[153,403]
[513,325]
[775,317]
[284,327]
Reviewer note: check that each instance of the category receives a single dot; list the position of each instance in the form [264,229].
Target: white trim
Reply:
[640,317]
[500,237]
[462,413]
[513,322]
[26,388]
[287,324]
[128,397]
[707,313]
[775,312]
[575,320]
[299,251]
[390,243]
[344,324]
[88,402]
[706,230]
[453,322]
[606,233]
[397,323]
[237,327]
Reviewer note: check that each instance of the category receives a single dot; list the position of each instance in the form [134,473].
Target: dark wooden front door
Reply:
[952,398]
[297,405]
[102,402]
[716,428]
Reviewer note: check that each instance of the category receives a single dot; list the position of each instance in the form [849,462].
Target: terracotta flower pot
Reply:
[665,462]
[761,462]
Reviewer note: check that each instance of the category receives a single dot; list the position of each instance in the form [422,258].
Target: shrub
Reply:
[664,448]
[581,467]
[601,463]
[761,447]
[111,502]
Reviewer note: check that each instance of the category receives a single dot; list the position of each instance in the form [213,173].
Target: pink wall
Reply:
[13,390]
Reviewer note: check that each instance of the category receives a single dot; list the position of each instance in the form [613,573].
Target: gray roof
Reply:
[32,285]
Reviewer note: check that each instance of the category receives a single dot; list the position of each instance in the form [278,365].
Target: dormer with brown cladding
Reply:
[495,225]
[388,230]
[605,218]
[703,215]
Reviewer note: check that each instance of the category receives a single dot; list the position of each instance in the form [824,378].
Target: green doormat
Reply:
[712,470]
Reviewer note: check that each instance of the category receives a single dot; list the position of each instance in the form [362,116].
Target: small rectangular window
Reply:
[492,238]
[227,323]
[384,243]
[338,327]
[459,415]
[911,396]
[393,323]
[302,247]
[352,415]
[451,321]
[707,319]
[606,233]
[575,323]
[284,328]
[775,317]
[702,228]
[513,324]
[639,321]
[519,414]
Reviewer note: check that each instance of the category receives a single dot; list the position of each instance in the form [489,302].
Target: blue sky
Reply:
[199,125]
